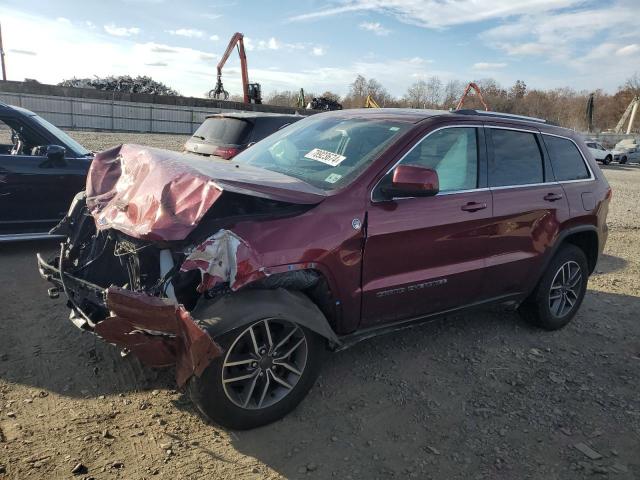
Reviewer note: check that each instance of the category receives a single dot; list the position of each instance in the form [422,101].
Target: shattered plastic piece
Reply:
[587,450]
[224,257]
[158,331]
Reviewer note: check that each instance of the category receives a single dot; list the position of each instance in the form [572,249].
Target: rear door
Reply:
[528,208]
[426,255]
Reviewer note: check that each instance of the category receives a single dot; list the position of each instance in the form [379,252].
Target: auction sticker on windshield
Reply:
[324,156]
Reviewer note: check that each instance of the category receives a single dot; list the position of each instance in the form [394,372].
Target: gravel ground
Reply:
[102,140]
[477,396]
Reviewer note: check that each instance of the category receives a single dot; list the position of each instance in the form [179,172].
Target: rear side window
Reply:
[566,160]
[516,159]
[223,130]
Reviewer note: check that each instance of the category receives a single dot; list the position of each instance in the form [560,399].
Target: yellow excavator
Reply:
[370,102]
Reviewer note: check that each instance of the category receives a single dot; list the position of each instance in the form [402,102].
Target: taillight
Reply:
[609,194]
[226,152]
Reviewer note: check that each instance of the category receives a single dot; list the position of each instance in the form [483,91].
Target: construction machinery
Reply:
[251,91]
[300,99]
[631,111]
[475,87]
[370,102]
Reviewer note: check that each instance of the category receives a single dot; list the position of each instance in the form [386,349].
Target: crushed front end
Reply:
[151,236]
[131,301]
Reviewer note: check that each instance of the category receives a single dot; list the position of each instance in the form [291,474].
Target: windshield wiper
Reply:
[199,136]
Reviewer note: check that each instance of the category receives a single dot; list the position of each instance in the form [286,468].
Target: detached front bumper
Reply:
[157,330]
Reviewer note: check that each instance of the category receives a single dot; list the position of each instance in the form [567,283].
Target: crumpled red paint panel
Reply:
[225,257]
[148,193]
[191,349]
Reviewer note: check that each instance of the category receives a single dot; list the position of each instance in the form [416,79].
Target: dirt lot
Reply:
[472,397]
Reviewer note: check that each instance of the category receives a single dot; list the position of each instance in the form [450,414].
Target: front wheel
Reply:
[607,160]
[623,160]
[558,295]
[267,369]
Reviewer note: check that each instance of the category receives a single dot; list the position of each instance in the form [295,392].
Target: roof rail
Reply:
[500,114]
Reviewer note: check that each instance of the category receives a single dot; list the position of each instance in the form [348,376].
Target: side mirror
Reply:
[412,181]
[55,157]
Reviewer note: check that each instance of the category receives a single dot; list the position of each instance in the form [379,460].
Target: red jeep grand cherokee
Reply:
[341,226]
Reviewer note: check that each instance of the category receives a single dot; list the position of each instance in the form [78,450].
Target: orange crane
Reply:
[466,92]
[251,91]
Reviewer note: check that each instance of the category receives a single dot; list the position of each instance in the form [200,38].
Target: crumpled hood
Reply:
[155,194]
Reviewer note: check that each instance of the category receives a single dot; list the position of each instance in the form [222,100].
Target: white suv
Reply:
[600,153]
[627,150]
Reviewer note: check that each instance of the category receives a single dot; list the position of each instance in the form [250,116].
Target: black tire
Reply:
[623,160]
[537,309]
[208,393]
[607,160]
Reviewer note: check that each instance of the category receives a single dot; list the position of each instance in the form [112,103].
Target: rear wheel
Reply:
[623,160]
[267,369]
[558,296]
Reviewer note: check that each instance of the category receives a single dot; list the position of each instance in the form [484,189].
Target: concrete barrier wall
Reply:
[608,140]
[92,109]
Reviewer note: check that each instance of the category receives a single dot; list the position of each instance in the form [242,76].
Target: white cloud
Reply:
[187,70]
[318,51]
[111,29]
[215,38]
[628,50]
[488,65]
[187,32]
[375,27]
[90,24]
[559,36]
[64,20]
[438,14]
[22,52]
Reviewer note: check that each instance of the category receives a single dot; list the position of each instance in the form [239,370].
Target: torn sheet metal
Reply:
[158,331]
[224,257]
[154,194]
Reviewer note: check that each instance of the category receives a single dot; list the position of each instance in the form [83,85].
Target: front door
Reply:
[34,194]
[426,255]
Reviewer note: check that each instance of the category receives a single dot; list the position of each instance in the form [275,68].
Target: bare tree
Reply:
[452,93]
[434,92]
[416,96]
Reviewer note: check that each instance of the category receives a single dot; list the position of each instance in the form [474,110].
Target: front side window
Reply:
[452,153]
[325,151]
[566,160]
[516,159]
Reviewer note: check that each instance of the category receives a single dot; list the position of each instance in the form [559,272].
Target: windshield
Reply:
[326,152]
[70,142]
[223,130]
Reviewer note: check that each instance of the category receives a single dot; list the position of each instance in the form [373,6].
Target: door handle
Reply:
[473,206]
[552,197]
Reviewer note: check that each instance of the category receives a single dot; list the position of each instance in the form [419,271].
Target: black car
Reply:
[41,170]
[225,135]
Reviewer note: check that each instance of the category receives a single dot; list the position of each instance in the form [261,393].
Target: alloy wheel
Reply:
[264,363]
[565,289]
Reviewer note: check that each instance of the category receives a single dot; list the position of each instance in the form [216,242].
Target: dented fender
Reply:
[228,312]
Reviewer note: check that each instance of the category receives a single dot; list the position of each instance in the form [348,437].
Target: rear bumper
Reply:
[157,330]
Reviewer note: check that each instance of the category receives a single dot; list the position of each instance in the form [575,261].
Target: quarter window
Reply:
[566,160]
[452,153]
[516,159]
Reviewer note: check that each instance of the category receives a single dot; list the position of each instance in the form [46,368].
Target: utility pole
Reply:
[4,69]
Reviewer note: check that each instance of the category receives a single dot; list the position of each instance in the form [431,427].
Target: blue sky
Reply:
[323,44]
